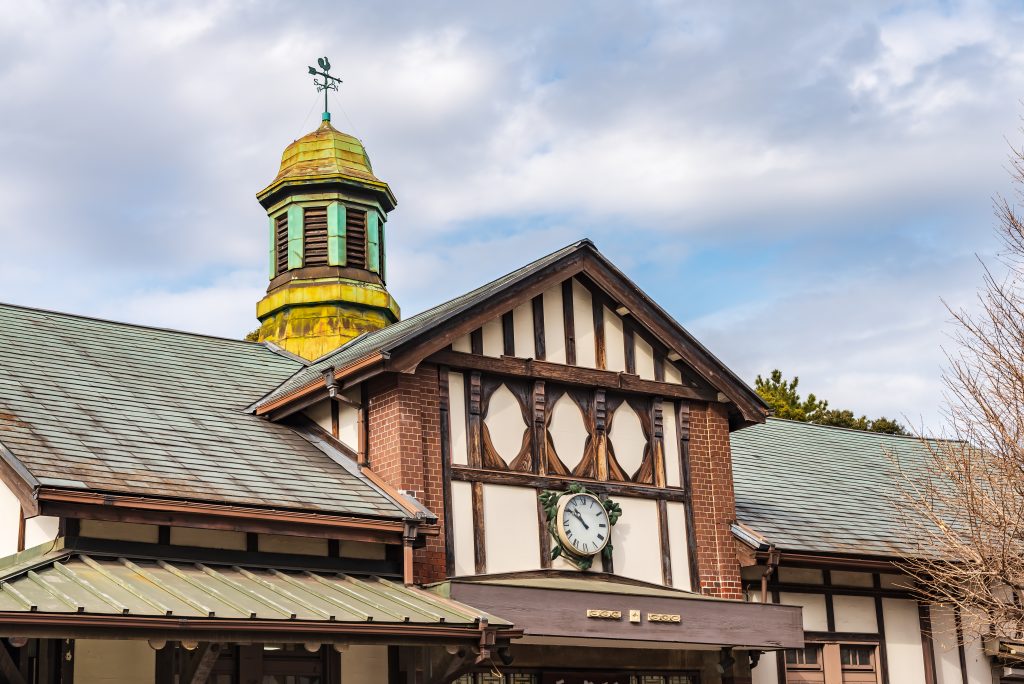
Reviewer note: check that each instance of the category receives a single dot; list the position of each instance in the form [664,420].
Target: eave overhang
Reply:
[561,605]
[94,597]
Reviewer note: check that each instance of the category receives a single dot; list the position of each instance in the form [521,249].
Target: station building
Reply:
[546,480]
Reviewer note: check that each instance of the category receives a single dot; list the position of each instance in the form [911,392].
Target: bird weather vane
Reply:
[329,82]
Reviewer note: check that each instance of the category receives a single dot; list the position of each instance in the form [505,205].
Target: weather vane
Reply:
[329,82]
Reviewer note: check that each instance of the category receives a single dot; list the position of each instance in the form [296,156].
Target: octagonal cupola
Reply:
[327,214]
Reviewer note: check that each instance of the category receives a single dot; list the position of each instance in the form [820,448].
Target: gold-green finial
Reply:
[329,82]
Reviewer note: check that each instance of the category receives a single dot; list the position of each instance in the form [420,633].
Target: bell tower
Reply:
[327,212]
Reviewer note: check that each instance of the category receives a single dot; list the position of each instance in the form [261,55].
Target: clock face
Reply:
[582,524]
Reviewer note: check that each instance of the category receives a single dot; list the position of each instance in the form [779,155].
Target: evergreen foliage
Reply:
[785,401]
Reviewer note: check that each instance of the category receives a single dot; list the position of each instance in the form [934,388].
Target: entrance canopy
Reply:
[82,596]
[569,607]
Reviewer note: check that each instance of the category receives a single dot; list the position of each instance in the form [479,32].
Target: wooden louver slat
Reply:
[281,243]
[355,238]
[314,236]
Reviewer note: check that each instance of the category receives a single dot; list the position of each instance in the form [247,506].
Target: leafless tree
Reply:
[968,512]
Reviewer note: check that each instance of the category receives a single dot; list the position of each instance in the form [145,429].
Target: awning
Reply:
[88,596]
[553,606]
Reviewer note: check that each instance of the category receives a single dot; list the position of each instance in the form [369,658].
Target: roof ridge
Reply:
[916,438]
[128,324]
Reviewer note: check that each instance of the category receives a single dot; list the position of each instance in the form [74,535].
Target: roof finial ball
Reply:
[327,212]
[328,83]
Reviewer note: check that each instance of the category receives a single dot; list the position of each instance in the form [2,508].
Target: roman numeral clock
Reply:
[581,524]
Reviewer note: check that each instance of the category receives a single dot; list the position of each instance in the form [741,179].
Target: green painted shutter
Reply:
[336,234]
[294,236]
[273,241]
[373,241]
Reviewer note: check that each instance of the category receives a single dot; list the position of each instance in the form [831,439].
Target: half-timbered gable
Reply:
[561,372]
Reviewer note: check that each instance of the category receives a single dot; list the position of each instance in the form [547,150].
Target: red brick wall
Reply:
[405,450]
[714,503]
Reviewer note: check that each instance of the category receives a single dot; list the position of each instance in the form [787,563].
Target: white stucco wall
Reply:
[512,538]
[583,326]
[114,662]
[554,326]
[637,541]
[903,640]
[462,528]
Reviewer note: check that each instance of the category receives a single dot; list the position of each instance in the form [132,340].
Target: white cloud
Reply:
[135,136]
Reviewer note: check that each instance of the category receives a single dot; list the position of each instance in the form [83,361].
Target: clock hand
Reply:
[580,518]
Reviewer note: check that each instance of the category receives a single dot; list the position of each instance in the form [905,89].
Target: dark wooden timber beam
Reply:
[470,474]
[116,508]
[810,560]
[569,375]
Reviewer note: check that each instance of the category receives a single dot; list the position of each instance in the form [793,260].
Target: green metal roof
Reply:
[96,405]
[825,489]
[156,588]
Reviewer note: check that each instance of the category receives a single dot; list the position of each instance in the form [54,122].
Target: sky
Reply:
[804,186]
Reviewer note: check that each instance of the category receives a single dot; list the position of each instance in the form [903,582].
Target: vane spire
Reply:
[328,83]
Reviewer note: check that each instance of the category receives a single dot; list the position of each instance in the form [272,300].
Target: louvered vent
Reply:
[355,238]
[281,243]
[314,236]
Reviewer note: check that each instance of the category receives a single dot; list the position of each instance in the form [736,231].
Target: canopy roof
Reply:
[197,596]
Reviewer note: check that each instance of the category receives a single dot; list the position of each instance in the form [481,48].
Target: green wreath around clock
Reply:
[580,522]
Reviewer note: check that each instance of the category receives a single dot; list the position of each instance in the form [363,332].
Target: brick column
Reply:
[714,502]
[405,450]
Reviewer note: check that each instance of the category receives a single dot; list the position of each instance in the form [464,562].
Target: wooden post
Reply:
[540,438]
[569,323]
[539,351]
[408,539]
[475,428]
[446,469]
[600,434]
[479,546]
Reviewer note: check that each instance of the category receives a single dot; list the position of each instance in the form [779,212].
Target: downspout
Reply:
[408,539]
[771,565]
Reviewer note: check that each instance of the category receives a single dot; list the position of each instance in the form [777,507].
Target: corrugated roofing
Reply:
[390,337]
[97,405]
[119,586]
[824,489]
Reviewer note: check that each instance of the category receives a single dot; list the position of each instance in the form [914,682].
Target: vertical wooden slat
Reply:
[658,441]
[666,549]
[569,323]
[683,435]
[540,350]
[925,618]
[446,468]
[545,536]
[659,366]
[629,339]
[67,661]
[883,657]
[21,528]
[335,419]
[479,538]
[830,611]
[476,341]
[508,334]
[600,435]
[600,353]
[961,652]
[540,438]
[475,442]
